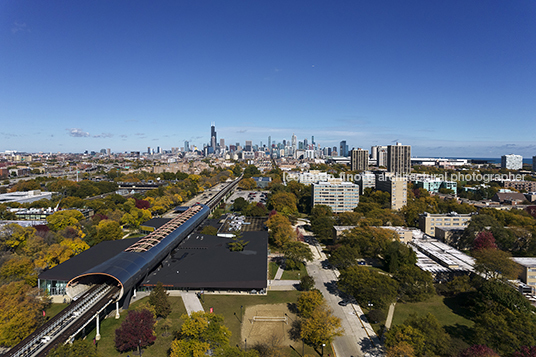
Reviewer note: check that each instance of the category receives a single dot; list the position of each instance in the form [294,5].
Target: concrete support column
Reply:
[117,310]
[98,336]
[134,293]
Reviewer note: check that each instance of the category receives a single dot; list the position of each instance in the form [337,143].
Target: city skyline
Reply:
[450,79]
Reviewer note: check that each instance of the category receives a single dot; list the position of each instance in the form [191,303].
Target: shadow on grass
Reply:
[460,305]
[461,332]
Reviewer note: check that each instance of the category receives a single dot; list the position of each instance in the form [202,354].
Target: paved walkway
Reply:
[279,273]
[390,314]
[283,285]
[191,302]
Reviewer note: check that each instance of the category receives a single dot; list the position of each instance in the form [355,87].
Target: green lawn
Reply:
[54,309]
[445,310]
[294,274]
[160,348]
[225,305]
[272,266]
[228,305]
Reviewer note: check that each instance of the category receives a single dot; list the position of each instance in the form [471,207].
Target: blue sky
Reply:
[450,78]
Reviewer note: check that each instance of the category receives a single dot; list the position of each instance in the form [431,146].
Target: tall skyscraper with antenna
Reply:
[213,136]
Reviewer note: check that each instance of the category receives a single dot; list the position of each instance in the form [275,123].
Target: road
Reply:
[359,338]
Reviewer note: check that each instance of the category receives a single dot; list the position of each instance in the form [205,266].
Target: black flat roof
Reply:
[205,262]
[87,259]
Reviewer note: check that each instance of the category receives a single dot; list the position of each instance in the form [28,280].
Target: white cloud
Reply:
[78,133]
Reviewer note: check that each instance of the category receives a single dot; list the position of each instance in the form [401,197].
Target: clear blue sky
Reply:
[450,78]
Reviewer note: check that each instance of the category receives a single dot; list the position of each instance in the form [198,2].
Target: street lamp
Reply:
[323,349]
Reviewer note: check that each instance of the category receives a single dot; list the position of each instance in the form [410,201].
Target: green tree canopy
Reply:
[368,286]
[159,299]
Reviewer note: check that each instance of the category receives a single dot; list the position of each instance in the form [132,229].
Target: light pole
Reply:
[323,349]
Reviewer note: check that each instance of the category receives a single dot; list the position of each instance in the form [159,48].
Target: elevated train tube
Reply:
[129,267]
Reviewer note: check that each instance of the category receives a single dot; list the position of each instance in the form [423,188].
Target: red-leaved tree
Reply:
[136,330]
[478,351]
[142,204]
[525,352]
[484,240]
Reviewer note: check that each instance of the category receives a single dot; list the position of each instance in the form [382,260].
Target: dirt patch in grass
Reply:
[260,324]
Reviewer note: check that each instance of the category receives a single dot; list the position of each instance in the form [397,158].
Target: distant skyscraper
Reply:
[343,149]
[148,150]
[186,146]
[313,140]
[248,146]
[534,163]
[305,144]
[359,160]
[213,136]
[512,162]
[399,158]
[269,142]
[222,143]
[294,142]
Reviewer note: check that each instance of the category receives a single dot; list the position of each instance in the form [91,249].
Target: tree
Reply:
[251,170]
[478,351]
[525,351]
[344,256]
[402,349]
[484,240]
[209,231]
[200,332]
[368,286]
[17,268]
[20,312]
[495,264]
[372,242]
[405,338]
[321,327]
[14,236]
[307,283]
[296,253]
[247,184]
[414,284]
[322,221]
[437,340]
[136,331]
[240,204]
[159,299]
[308,301]
[284,203]
[397,255]
[281,231]
[78,348]
[108,230]
[349,218]
[63,219]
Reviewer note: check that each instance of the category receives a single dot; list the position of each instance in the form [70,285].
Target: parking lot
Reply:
[249,196]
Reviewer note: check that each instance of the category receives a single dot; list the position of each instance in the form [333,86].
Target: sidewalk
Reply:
[389,319]
[279,274]
[191,302]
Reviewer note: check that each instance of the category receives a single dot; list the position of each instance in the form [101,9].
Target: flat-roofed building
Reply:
[397,188]
[512,162]
[25,197]
[428,222]
[359,160]
[528,186]
[448,235]
[528,273]
[399,158]
[341,197]
[433,185]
